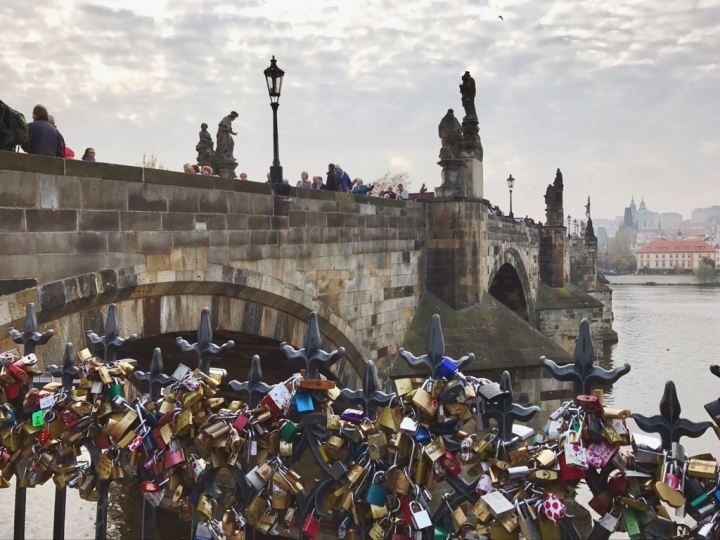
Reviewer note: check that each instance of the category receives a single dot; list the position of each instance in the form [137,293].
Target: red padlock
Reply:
[166,418]
[451,463]
[12,390]
[170,459]
[406,513]
[617,486]
[148,486]
[157,437]
[102,442]
[67,416]
[311,527]
[570,473]
[590,404]
[19,373]
[240,422]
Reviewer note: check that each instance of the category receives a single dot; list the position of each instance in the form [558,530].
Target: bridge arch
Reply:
[510,285]
[243,302]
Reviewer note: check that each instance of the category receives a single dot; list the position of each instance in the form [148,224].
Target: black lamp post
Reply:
[569,233]
[274,77]
[511,183]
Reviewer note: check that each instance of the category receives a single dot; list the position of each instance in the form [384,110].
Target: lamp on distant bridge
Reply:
[569,218]
[274,77]
[511,183]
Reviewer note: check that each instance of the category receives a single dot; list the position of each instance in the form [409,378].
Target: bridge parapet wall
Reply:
[359,257]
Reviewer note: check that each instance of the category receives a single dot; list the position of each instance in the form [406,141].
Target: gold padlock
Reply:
[403,387]
[435,449]
[205,506]
[702,468]
[335,443]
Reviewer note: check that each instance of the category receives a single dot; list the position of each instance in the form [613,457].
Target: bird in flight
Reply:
[501,17]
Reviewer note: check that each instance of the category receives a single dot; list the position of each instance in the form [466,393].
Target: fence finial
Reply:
[204,348]
[311,354]
[370,398]
[254,387]
[583,372]
[668,424]
[30,337]
[111,342]
[505,411]
[435,351]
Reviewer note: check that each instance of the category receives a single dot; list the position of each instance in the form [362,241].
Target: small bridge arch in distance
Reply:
[509,284]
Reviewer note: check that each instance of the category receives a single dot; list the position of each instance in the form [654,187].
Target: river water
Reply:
[665,333]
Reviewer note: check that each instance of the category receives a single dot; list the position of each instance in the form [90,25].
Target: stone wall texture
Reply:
[349,257]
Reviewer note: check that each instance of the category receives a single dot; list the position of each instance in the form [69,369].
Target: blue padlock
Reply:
[376,493]
[304,402]
[149,442]
[9,415]
[358,451]
[150,419]
[422,435]
[447,369]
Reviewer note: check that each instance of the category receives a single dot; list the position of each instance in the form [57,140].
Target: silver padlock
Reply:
[409,425]
[420,517]
[497,503]
[179,374]
[202,532]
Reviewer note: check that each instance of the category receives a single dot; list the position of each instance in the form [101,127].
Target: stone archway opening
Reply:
[507,288]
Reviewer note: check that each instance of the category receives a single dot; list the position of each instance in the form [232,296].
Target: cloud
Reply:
[622,95]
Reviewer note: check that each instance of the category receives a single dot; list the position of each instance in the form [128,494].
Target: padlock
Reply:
[303,402]
[600,454]
[702,468]
[553,508]
[451,463]
[420,517]
[377,445]
[277,400]
[424,401]
[376,493]
[311,527]
[497,503]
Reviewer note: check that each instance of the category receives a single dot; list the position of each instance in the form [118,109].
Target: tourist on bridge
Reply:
[89,155]
[332,184]
[402,193]
[243,176]
[68,153]
[359,189]
[317,183]
[43,138]
[389,194]
[304,182]
[343,179]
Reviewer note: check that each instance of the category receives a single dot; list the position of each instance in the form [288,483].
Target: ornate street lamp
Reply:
[274,77]
[569,218]
[511,183]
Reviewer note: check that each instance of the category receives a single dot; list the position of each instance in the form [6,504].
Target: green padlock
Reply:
[632,523]
[38,418]
[440,533]
[115,390]
[288,432]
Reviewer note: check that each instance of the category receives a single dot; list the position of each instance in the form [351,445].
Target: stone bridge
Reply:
[77,236]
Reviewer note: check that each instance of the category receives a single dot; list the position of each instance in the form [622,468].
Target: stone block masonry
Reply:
[358,258]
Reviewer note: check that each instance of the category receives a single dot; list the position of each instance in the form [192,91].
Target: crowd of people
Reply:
[339,180]
[40,137]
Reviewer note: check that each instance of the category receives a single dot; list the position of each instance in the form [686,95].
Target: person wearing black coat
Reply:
[44,139]
[332,182]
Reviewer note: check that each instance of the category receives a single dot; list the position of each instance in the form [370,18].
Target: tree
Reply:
[705,273]
[622,257]
[151,162]
[707,260]
[391,180]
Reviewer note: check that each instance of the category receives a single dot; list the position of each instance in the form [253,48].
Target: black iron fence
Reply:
[380,461]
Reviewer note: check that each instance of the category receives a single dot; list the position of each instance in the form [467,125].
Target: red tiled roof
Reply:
[663,245]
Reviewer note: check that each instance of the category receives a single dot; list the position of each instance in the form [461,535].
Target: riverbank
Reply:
[652,280]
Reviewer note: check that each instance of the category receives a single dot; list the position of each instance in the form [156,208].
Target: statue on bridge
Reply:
[554,202]
[206,154]
[467,90]
[225,163]
[450,132]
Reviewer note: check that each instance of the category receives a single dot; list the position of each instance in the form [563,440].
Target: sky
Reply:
[622,95]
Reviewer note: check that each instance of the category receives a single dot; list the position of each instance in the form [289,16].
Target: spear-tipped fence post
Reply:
[29,338]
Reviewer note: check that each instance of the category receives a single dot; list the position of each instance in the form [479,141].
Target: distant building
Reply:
[662,253]
[701,215]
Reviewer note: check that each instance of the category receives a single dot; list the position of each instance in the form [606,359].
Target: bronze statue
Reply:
[450,132]
[204,148]
[225,142]
[558,180]
[467,90]
[554,201]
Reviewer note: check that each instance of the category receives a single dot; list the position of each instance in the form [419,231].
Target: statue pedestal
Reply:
[226,168]
[474,177]
[453,179]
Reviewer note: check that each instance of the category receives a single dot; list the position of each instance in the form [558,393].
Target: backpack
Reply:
[13,128]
